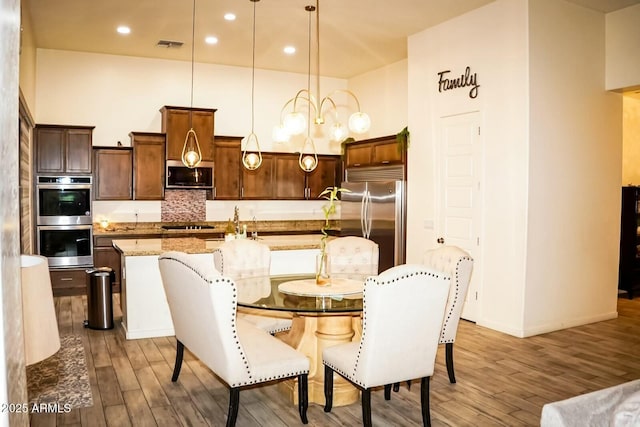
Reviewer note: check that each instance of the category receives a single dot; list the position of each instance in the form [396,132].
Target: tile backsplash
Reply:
[184,206]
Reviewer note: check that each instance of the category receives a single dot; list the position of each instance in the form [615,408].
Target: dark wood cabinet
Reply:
[291,182]
[374,152]
[105,255]
[176,122]
[258,184]
[226,171]
[63,149]
[68,281]
[148,165]
[289,179]
[327,174]
[629,268]
[113,173]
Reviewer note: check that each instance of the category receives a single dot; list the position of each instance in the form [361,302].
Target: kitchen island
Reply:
[145,313]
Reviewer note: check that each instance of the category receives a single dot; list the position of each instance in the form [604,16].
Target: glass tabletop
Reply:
[262,292]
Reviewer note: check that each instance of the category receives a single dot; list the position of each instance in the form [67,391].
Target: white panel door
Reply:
[459,193]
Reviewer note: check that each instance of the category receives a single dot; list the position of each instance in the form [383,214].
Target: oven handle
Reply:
[64,186]
[65,227]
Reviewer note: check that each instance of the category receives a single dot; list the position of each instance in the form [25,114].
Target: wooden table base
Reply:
[310,334]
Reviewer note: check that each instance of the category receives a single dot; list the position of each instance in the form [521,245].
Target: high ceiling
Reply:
[355,35]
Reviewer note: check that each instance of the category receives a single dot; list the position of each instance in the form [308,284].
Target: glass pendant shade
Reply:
[295,123]
[338,132]
[251,156]
[280,134]
[308,162]
[191,154]
[359,122]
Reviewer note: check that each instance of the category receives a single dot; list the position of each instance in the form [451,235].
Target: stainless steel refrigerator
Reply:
[374,207]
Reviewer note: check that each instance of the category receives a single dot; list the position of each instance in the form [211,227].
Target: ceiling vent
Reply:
[169,44]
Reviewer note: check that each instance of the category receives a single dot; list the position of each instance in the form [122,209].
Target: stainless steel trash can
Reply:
[100,298]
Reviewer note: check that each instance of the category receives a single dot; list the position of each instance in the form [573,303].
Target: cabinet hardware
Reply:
[384,162]
[66,279]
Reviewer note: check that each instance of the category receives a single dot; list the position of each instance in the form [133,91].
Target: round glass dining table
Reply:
[322,316]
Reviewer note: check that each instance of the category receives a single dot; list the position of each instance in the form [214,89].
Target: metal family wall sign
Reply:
[465,80]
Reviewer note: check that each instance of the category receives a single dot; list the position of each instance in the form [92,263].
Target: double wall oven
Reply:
[64,220]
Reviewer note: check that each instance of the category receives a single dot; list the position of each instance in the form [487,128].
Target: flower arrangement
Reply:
[330,194]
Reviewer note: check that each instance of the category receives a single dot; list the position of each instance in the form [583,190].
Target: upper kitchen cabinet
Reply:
[148,165]
[113,173]
[326,174]
[374,152]
[289,181]
[63,149]
[176,122]
[258,184]
[226,171]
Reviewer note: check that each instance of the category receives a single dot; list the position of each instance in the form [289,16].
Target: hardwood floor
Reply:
[502,380]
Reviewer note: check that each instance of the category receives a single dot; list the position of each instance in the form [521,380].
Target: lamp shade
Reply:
[40,326]
[359,122]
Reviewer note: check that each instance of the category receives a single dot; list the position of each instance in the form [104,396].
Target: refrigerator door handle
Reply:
[363,205]
[366,215]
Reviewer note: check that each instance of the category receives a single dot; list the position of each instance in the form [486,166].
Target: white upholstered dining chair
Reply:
[245,259]
[458,264]
[203,308]
[392,349]
[352,257]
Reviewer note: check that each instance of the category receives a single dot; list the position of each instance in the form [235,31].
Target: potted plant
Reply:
[330,194]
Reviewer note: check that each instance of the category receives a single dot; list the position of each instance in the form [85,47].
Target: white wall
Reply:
[622,47]
[383,95]
[120,94]
[551,172]
[574,172]
[491,40]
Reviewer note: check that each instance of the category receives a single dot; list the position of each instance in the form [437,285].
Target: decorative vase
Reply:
[322,269]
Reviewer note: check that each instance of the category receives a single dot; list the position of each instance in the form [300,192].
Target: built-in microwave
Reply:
[180,176]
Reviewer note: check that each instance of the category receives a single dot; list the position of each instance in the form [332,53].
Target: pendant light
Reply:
[252,157]
[296,121]
[191,154]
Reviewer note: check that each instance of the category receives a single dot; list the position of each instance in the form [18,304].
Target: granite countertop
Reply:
[214,227]
[193,245]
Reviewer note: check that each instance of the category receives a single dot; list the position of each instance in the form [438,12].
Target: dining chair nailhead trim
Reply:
[377,282]
[454,304]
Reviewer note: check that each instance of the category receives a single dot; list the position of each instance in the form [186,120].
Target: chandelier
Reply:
[191,154]
[294,122]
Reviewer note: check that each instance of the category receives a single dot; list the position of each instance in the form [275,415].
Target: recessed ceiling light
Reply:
[230,16]
[289,50]
[211,40]
[123,29]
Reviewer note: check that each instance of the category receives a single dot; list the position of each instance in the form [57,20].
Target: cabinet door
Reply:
[289,182]
[325,175]
[50,150]
[203,126]
[258,184]
[113,172]
[176,123]
[107,256]
[78,150]
[226,171]
[386,152]
[148,166]
[358,155]
[68,281]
